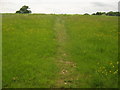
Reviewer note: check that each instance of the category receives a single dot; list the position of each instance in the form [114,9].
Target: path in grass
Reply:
[67,67]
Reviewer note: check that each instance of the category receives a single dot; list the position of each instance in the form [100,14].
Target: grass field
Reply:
[59,51]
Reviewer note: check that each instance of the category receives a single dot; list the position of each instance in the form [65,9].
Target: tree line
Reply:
[111,13]
[25,8]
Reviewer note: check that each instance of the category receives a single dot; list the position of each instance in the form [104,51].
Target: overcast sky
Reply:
[60,6]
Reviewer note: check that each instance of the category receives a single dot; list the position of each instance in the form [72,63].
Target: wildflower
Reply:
[115,72]
[117,62]
[65,83]
[111,63]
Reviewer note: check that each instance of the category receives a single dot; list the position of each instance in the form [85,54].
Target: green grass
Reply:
[93,44]
[32,45]
[28,51]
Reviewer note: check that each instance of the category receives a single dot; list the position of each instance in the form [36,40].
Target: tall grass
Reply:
[28,51]
[93,45]
[30,47]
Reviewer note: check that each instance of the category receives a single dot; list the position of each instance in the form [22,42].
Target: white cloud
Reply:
[59,6]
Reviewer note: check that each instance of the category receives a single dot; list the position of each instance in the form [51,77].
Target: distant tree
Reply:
[99,13]
[117,13]
[93,14]
[24,9]
[17,11]
[86,14]
[103,13]
[113,13]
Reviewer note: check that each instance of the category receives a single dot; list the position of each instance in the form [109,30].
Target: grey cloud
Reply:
[59,6]
[100,4]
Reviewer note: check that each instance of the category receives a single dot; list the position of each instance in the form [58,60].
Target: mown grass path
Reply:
[66,66]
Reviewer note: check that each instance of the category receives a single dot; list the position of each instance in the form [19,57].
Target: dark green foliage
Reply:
[111,13]
[24,9]
[86,14]
[93,14]
[100,13]
[17,11]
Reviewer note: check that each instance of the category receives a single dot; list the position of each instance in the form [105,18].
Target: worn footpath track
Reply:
[67,67]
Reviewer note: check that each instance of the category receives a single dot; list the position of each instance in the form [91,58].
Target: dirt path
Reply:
[67,67]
